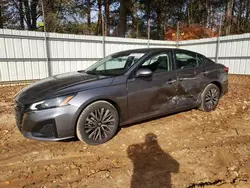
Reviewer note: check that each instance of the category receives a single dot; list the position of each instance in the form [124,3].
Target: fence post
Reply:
[218,41]
[178,34]
[47,50]
[148,43]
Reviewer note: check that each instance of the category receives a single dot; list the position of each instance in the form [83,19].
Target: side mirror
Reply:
[143,72]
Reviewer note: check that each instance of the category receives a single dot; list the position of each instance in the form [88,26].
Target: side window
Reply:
[200,60]
[185,59]
[159,63]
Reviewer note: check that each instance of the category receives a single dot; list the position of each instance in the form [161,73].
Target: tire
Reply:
[210,98]
[90,126]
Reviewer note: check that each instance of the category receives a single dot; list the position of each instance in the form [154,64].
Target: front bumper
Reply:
[49,125]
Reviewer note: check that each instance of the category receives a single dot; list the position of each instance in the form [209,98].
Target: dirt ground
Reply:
[188,149]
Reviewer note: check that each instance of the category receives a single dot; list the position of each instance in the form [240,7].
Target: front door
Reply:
[156,94]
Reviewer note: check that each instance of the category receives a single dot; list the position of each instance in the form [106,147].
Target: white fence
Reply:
[233,51]
[23,54]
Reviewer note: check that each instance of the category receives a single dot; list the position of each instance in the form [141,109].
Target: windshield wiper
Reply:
[102,73]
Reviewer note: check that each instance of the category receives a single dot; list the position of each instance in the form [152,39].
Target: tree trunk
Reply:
[158,24]
[33,9]
[148,6]
[228,16]
[27,14]
[207,14]
[107,18]
[239,19]
[99,22]
[189,13]
[248,10]
[50,16]
[247,18]
[21,14]
[89,16]
[1,16]
[247,24]
[122,18]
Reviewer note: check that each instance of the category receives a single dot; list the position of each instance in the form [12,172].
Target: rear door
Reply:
[188,81]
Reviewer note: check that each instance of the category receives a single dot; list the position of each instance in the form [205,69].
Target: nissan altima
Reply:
[122,88]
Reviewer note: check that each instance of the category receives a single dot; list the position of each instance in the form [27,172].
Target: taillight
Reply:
[226,69]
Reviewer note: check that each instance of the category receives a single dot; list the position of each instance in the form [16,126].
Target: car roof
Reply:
[142,50]
[147,50]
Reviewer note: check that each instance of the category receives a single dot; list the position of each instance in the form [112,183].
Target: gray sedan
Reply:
[123,88]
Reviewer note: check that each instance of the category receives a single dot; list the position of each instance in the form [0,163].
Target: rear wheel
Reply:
[210,98]
[97,123]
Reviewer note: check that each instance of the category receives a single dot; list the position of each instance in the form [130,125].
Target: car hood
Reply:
[60,85]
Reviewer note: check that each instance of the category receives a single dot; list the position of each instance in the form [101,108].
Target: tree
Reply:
[21,13]
[89,15]
[25,11]
[107,17]
[99,21]
[51,16]
[129,18]
[228,16]
[1,16]
[30,15]
[123,12]
[247,18]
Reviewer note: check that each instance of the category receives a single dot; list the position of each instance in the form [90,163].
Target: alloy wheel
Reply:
[99,124]
[212,98]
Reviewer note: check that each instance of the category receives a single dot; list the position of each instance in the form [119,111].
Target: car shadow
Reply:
[151,119]
[152,167]
[128,125]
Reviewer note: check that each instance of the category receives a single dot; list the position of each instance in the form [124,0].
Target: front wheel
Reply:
[210,98]
[97,123]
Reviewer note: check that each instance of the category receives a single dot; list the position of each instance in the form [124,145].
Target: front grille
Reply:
[19,112]
[45,129]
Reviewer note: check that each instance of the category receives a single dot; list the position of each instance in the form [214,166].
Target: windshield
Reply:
[116,64]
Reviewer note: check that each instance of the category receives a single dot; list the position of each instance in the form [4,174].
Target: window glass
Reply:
[115,64]
[158,63]
[200,59]
[185,59]
[120,62]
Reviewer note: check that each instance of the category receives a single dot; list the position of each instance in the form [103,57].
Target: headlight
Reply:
[51,103]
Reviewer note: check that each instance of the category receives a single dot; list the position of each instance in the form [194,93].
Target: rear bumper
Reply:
[49,125]
[224,87]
